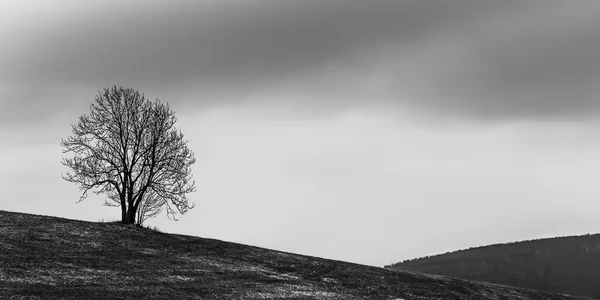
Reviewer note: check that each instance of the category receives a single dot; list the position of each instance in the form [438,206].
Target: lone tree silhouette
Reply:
[129,149]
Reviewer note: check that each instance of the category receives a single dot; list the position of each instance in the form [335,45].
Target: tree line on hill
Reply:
[569,265]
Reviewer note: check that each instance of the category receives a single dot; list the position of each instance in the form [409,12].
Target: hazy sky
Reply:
[367,131]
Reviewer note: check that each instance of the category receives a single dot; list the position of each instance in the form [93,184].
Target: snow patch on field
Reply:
[53,277]
[149,251]
[177,278]
[293,291]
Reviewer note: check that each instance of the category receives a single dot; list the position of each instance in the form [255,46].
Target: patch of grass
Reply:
[153,228]
[109,221]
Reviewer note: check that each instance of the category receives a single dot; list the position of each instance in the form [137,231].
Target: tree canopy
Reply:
[128,148]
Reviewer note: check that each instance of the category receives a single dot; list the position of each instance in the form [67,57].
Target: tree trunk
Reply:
[130,217]
[123,213]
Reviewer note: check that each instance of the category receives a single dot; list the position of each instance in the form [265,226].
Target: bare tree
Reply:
[129,149]
[150,207]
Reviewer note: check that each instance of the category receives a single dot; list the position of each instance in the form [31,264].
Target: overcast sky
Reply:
[367,131]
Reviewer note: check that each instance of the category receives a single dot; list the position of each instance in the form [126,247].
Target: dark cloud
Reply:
[543,65]
[484,59]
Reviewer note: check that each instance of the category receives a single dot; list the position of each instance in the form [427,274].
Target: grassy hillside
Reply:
[569,265]
[47,257]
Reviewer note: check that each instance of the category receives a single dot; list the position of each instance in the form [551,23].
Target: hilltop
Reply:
[49,257]
[569,265]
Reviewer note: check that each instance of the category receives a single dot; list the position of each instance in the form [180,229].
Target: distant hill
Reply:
[52,258]
[569,265]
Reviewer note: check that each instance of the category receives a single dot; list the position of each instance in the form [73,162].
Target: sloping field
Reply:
[46,257]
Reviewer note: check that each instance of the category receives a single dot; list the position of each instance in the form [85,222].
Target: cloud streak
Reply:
[465,58]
